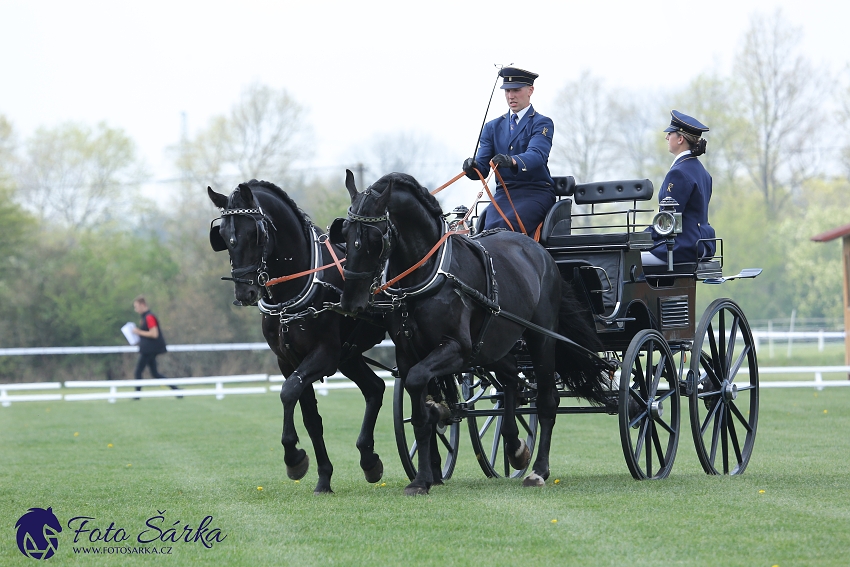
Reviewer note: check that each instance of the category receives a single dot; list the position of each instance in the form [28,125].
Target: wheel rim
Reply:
[448,437]
[486,432]
[649,411]
[724,400]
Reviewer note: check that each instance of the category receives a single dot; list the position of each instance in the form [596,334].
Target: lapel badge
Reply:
[669,187]
[545,130]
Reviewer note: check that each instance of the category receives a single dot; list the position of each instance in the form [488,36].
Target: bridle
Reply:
[263,221]
[360,222]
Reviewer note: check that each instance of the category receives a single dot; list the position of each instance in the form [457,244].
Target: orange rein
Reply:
[337,262]
[418,264]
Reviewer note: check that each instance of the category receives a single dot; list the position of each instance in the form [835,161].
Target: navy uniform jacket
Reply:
[690,184]
[531,187]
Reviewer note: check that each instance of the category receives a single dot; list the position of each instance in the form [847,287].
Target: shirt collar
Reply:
[681,156]
[520,114]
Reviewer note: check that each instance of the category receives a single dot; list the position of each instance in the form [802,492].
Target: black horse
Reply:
[451,313]
[268,237]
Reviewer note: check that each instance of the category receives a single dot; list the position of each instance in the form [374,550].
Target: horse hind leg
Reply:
[372,387]
[542,354]
[516,449]
[313,424]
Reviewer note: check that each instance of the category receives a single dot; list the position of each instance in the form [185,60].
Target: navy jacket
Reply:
[531,187]
[690,184]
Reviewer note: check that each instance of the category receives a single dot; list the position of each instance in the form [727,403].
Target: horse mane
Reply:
[409,183]
[303,218]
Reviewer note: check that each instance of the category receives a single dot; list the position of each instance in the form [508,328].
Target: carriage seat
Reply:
[557,227]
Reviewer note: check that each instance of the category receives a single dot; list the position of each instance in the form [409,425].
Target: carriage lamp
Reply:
[668,223]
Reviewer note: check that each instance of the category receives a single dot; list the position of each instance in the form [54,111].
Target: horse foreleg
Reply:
[296,460]
[443,360]
[313,424]
[372,387]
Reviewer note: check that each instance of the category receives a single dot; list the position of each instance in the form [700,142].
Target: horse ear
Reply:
[384,198]
[247,194]
[218,199]
[349,184]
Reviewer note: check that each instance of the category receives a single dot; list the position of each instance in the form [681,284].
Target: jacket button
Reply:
[512,147]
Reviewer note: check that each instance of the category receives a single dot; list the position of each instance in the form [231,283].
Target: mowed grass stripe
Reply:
[200,456]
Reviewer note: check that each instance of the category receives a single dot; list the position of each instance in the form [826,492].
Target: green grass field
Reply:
[196,457]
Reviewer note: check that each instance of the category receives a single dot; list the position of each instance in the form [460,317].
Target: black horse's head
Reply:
[244,233]
[368,235]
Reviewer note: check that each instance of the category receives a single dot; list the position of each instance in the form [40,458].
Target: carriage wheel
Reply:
[724,402]
[485,432]
[649,406]
[448,436]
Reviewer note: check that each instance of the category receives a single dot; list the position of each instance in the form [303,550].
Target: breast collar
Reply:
[438,276]
[307,294]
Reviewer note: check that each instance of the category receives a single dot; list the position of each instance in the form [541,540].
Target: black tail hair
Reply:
[584,374]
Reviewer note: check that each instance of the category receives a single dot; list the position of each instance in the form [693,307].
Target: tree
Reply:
[584,125]
[260,138]
[640,118]
[782,94]
[78,176]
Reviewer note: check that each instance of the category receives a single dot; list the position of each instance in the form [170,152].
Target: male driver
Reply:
[518,143]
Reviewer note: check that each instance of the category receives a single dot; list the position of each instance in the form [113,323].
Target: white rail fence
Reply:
[336,382]
[114,390]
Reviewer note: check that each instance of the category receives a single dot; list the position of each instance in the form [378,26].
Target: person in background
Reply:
[690,185]
[151,341]
[518,143]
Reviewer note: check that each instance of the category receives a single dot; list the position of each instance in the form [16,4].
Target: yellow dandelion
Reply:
[260,488]
[554,521]
[109,446]
[297,482]
[76,433]
[761,491]
[383,484]
[129,464]
[557,481]
[824,411]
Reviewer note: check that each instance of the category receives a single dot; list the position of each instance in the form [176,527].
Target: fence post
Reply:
[770,338]
[4,397]
[791,331]
[219,390]
[112,390]
[820,340]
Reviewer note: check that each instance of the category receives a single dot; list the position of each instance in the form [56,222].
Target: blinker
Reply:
[216,241]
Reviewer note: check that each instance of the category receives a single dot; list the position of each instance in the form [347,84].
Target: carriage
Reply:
[657,349]
[649,349]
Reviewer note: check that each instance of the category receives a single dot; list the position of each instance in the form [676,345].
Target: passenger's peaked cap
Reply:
[683,123]
[515,78]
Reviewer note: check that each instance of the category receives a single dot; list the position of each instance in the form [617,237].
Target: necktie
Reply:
[513,121]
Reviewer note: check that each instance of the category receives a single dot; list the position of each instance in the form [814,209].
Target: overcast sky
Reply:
[360,67]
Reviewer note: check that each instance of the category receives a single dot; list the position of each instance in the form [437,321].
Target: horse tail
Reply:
[584,374]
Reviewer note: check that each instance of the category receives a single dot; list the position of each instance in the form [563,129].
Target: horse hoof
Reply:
[534,479]
[298,471]
[520,460]
[437,482]
[415,491]
[376,473]
[322,491]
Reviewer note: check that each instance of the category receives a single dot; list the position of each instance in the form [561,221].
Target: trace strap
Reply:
[337,262]
[418,264]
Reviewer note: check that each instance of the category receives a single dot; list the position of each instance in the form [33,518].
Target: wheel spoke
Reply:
[721,359]
[651,433]
[666,426]
[662,459]
[711,413]
[413,449]
[522,421]
[497,437]
[740,416]
[733,436]
[715,435]
[487,422]
[446,442]
[733,370]
[733,340]
[710,371]
[724,439]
